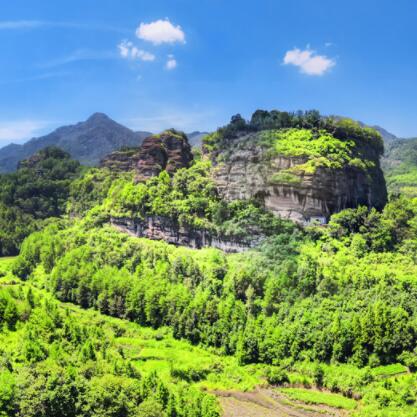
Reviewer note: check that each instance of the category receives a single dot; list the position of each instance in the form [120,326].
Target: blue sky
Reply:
[192,64]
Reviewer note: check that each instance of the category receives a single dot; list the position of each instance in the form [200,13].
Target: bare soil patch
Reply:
[269,403]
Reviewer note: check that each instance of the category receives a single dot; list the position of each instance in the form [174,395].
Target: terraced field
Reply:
[271,403]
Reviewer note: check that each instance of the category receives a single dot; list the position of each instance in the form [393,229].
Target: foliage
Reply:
[342,129]
[400,166]
[90,190]
[317,397]
[318,149]
[342,298]
[191,199]
[61,362]
[38,190]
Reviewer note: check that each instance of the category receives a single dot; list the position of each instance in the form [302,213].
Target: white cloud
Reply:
[20,24]
[79,55]
[171,63]
[308,61]
[129,51]
[20,130]
[37,24]
[160,31]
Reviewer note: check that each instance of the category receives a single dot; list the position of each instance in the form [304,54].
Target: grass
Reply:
[318,397]
[5,265]
[313,150]
[285,177]
[389,370]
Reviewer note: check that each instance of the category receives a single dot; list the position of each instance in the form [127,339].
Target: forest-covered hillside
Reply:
[37,191]
[400,165]
[309,314]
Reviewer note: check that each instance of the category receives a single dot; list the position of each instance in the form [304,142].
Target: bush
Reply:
[276,376]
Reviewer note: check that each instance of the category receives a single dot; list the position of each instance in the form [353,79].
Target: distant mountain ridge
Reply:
[87,141]
[387,136]
[196,138]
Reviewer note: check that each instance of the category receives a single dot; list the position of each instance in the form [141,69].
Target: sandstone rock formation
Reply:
[244,170]
[122,160]
[169,151]
[159,228]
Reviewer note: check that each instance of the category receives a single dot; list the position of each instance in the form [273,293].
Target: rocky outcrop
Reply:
[168,151]
[244,169]
[121,161]
[160,228]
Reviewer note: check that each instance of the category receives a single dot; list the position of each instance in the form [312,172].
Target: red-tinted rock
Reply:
[121,161]
[169,151]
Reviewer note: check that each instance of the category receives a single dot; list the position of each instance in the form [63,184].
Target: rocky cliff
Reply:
[303,168]
[300,174]
[160,228]
[168,151]
[123,160]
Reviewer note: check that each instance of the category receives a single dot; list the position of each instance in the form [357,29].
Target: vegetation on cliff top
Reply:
[343,129]
[307,137]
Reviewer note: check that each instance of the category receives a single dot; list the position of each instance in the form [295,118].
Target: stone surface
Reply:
[159,228]
[121,161]
[168,151]
[245,170]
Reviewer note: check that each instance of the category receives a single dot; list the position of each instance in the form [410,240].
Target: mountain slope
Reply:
[400,166]
[387,136]
[196,138]
[86,141]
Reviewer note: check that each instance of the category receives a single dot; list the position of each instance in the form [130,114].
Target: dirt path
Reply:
[267,403]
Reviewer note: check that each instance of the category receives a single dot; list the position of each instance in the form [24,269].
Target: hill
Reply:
[313,319]
[87,142]
[38,190]
[299,166]
[400,166]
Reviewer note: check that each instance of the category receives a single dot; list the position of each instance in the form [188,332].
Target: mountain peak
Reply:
[88,141]
[98,117]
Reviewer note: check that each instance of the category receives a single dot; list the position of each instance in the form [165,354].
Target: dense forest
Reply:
[38,190]
[332,308]
[400,163]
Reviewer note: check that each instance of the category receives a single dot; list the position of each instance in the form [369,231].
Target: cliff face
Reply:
[243,169]
[122,160]
[168,151]
[160,228]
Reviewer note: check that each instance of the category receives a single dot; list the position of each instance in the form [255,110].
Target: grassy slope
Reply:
[318,397]
[174,360]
